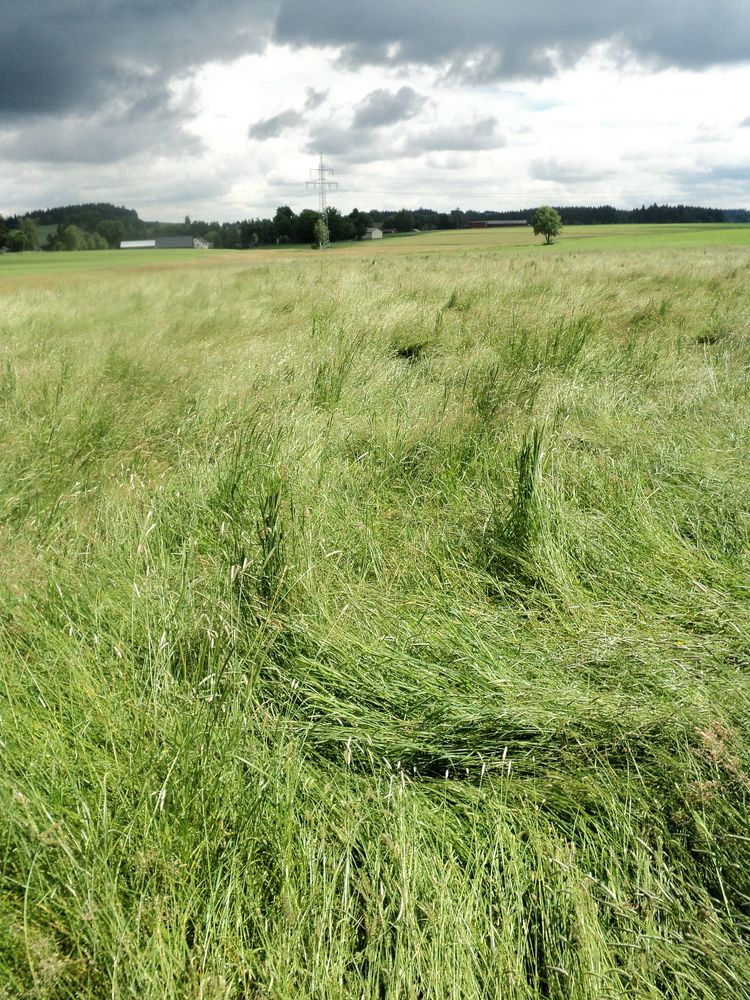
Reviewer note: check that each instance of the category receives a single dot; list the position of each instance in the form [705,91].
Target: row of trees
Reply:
[98,225]
[603,214]
[26,237]
[86,216]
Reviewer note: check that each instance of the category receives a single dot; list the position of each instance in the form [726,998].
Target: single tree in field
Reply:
[546,223]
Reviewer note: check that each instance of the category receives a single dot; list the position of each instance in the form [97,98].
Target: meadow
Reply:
[376,623]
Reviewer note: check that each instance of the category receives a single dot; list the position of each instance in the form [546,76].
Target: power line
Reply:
[323,186]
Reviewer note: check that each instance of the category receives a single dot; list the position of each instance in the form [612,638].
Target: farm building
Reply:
[373,233]
[166,243]
[493,223]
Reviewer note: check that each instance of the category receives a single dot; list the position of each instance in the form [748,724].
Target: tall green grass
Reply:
[378,628]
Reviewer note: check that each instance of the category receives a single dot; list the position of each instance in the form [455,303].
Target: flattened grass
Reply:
[378,627]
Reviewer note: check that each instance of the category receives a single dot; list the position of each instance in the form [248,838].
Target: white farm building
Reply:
[373,233]
[166,243]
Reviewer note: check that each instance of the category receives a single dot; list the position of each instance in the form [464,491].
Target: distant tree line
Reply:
[582,215]
[100,225]
[85,216]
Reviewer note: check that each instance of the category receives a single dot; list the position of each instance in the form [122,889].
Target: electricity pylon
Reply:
[323,186]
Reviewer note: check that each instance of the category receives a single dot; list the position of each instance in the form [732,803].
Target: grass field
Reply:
[574,239]
[377,623]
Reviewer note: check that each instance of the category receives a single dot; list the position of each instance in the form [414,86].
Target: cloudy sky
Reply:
[218,108]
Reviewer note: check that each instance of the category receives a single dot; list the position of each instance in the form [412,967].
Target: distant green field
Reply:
[576,238]
[46,263]
[573,239]
[376,624]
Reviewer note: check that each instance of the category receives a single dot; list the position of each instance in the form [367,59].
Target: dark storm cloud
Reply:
[73,55]
[385,107]
[97,75]
[88,81]
[490,40]
[150,125]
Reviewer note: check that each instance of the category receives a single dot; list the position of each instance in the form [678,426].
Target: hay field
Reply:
[376,623]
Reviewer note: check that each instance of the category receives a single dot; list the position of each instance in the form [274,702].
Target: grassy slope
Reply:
[373,626]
